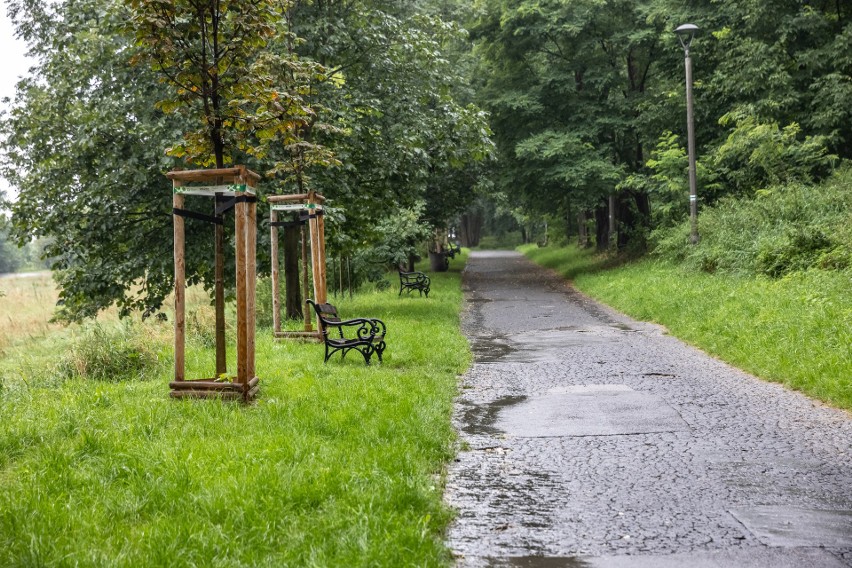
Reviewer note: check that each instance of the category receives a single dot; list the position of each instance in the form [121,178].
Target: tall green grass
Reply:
[783,229]
[335,464]
[795,330]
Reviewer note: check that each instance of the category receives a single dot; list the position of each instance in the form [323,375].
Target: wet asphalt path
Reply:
[592,440]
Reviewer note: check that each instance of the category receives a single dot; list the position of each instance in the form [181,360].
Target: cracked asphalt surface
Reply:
[592,440]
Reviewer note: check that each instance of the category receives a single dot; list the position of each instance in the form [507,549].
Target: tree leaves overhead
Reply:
[364,101]
[565,84]
[379,106]
[581,91]
[83,145]
[397,90]
[209,53]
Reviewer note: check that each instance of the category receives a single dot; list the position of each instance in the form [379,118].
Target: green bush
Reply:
[400,236]
[798,249]
[759,153]
[110,353]
[784,229]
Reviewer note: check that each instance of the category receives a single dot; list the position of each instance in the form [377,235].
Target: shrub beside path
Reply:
[594,440]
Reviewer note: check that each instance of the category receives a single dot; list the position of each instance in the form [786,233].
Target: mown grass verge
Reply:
[796,330]
[334,465]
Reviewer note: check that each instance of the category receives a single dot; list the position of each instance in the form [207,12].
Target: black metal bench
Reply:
[365,335]
[453,250]
[409,281]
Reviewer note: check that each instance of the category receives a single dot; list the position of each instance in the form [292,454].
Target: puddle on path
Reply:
[537,562]
[590,410]
[791,526]
[490,349]
[537,346]
[579,410]
[767,557]
[479,419]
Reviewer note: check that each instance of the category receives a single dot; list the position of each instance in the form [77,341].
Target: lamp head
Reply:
[685,33]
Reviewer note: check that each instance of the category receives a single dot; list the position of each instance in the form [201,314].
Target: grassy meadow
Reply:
[795,330]
[334,465]
[26,306]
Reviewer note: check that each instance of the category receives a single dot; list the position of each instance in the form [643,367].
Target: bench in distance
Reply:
[409,281]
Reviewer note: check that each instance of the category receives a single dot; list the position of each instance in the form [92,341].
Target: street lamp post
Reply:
[685,34]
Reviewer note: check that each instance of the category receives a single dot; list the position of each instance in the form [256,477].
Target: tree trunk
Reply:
[612,221]
[634,214]
[568,221]
[470,228]
[219,153]
[643,204]
[293,298]
[601,228]
[582,230]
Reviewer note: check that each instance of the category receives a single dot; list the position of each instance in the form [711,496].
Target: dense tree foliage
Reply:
[356,98]
[588,101]
[378,105]
[83,144]
[10,257]
[397,90]
[208,53]
[566,85]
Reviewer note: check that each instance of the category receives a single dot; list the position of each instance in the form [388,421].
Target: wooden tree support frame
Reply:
[310,204]
[238,184]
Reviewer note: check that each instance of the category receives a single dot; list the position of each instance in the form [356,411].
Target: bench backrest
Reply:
[325,313]
[410,276]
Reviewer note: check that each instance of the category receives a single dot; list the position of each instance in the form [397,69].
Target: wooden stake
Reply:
[322,266]
[315,267]
[221,359]
[276,303]
[242,323]
[251,285]
[180,288]
[245,384]
[308,325]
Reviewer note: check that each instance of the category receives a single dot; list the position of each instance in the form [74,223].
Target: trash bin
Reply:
[438,262]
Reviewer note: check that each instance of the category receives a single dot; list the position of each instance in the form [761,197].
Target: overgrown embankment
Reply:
[334,465]
[768,288]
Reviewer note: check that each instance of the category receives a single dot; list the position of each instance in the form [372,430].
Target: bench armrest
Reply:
[365,328]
